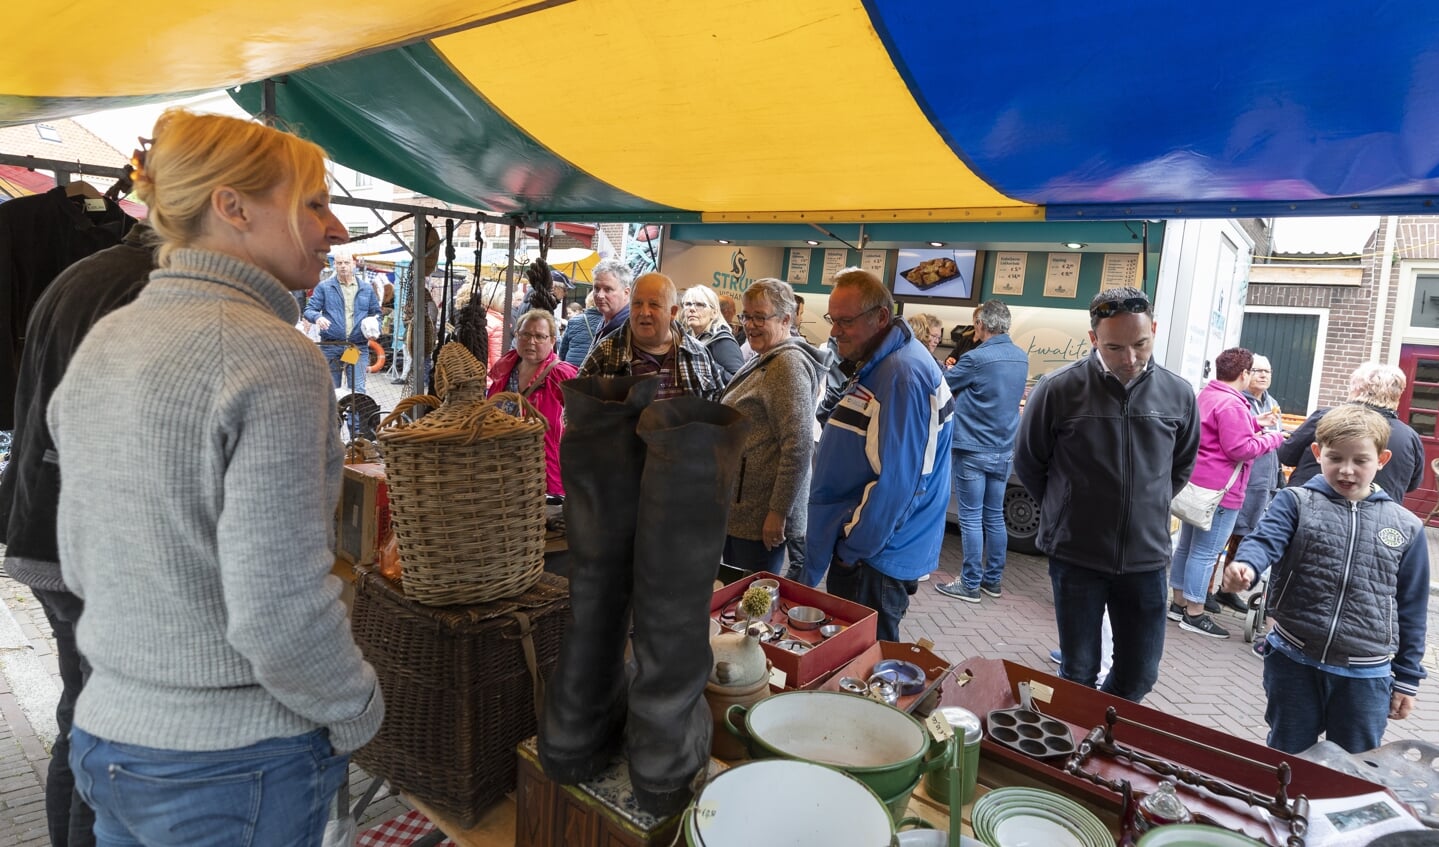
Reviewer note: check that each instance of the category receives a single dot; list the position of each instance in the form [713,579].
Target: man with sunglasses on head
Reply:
[1104,445]
[881,481]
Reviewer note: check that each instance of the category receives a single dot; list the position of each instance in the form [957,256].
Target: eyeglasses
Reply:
[846,323]
[533,336]
[753,319]
[1127,306]
[692,304]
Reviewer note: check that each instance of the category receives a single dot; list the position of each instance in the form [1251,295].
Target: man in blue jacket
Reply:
[881,483]
[988,383]
[336,309]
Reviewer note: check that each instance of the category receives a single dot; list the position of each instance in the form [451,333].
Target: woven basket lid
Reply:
[456,365]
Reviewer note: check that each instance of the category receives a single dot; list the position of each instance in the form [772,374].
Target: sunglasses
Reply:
[1127,306]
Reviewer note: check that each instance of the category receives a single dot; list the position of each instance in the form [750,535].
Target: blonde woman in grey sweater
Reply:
[201,465]
[777,391]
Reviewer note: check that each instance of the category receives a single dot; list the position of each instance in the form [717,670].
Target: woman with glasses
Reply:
[928,329]
[700,310]
[777,391]
[533,371]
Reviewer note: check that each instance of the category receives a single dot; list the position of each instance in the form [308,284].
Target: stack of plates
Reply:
[1030,817]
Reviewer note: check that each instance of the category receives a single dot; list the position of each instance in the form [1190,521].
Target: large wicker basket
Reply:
[460,686]
[467,495]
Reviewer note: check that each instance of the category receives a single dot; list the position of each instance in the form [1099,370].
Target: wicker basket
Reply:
[467,493]
[456,365]
[460,686]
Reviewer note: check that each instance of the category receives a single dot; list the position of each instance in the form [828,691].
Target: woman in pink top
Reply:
[1230,437]
[533,370]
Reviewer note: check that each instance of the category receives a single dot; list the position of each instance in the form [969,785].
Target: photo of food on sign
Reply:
[934,273]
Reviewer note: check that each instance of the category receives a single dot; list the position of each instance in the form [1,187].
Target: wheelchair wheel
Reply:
[1254,618]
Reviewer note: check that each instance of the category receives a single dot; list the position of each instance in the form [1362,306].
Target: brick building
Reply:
[1319,315]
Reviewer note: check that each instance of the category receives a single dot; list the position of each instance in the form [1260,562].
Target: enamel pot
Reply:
[878,744]
[797,804]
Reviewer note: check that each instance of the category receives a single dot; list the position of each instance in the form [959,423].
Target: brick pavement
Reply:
[1201,679]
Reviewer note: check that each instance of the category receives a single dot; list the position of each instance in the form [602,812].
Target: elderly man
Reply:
[988,383]
[612,295]
[652,342]
[336,308]
[1104,444]
[881,481]
[1379,387]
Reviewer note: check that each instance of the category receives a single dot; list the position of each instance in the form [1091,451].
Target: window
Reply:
[48,132]
[357,231]
[364,180]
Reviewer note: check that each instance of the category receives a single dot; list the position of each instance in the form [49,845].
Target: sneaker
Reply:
[1212,606]
[957,589]
[924,578]
[1260,646]
[1232,600]
[991,588]
[1055,655]
[1175,613]
[1204,625]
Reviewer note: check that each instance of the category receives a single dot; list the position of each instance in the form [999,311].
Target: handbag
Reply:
[1195,504]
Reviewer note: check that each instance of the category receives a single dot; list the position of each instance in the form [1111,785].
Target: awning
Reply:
[754,110]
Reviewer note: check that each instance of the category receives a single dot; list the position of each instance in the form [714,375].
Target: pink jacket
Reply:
[1228,434]
[546,397]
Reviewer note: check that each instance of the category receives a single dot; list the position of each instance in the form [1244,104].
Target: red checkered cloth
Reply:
[399,832]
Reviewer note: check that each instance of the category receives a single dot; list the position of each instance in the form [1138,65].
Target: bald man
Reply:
[653,342]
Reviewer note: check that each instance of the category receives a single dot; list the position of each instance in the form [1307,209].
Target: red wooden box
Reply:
[803,669]
[935,669]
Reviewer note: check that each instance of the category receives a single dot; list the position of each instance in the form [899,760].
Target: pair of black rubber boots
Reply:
[647,491]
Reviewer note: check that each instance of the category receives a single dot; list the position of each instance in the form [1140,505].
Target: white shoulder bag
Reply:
[1195,504]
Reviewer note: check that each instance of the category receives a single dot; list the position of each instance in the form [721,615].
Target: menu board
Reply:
[1121,270]
[872,261]
[834,261]
[1009,271]
[798,271]
[1061,275]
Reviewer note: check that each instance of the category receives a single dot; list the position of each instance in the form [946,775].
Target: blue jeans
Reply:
[1197,553]
[1305,701]
[979,482]
[1136,603]
[752,556]
[338,369]
[275,792]
[866,586]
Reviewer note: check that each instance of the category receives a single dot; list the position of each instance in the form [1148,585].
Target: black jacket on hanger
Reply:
[84,293]
[40,236]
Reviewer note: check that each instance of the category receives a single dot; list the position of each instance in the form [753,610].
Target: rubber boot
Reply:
[689,480]
[601,461]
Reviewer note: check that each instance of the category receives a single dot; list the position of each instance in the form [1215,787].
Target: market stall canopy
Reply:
[751,110]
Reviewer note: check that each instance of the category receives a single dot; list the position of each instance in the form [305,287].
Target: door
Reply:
[1289,341]
[1419,407]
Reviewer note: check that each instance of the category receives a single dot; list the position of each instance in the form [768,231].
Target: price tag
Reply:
[1041,692]
[351,355]
[777,677]
[94,204]
[939,728]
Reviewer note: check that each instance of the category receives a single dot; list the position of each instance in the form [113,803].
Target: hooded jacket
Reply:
[720,341]
[881,482]
[1104,460]
[776,391]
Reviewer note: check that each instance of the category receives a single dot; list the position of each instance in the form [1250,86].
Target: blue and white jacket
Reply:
[881,481]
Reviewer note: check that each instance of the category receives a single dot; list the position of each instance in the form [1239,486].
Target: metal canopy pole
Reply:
[508,311]
[419,327]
